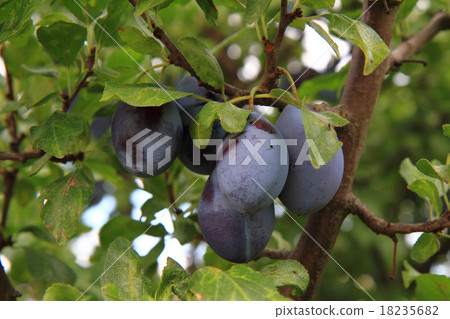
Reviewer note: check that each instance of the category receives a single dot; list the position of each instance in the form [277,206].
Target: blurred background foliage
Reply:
[406,123]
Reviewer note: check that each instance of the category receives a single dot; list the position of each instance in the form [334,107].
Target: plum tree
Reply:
[189,107]
[154,132]
[307,189]
[251,172]
[234,236]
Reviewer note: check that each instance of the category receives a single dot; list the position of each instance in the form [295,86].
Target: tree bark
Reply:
[358,100]
[7,292]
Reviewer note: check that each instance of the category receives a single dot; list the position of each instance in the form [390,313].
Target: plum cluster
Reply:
[250,170]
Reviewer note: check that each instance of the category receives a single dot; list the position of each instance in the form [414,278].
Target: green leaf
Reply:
[409,274]
[55,135]
[446,129]
[107,27]
[140,43]
[287,273]
[185,230]
[202,61]
[427,190]
[174,281]
[123,270]
[324,34]
[90,8]
[233,5]
[149,261]
[238,283]
[409,171]
[331,118]
[317,4]
[145,5]
[406,9]
[111,292]
[128,228]
[325,145]
[432,288]
[209,9]
[232,118]
[425,167]
[286,97]
[312,88]
[297,23]
[62,292]
[425,247]
[154,205]
[140,94]
[48,267]
[255,9]
[63,200]
[44,71]
[15,16]
[44,100]
[441,172]
[62,40]
[374,48]
[52,18]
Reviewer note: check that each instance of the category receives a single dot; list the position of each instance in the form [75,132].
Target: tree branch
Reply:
[275,253]
[272,49]
[380,226]
[7,292]
[359,98]
[83,83]
[440,22]
[24,157]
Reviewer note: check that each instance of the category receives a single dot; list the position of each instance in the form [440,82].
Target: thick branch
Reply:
[83,83]
[380,226]
[7,292]
[441,21]
[272,50]
[359,98]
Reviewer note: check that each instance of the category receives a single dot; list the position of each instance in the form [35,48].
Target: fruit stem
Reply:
[201,98]
[252,97]
[224,97]
[257,31]
[264,27]
[291,82]
[431,211]
[258,96]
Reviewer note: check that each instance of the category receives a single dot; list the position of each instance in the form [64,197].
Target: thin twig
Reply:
[413,45]
[172,197]
[272,50]
[380,226]
[83,83]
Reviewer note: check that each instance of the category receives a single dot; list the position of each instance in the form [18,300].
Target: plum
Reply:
[146,139]
[252,171]
[189,107]
[234,236]
[307,190]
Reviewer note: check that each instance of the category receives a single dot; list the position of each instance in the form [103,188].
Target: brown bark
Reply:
[7,292]
[441,21]
[358,100]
